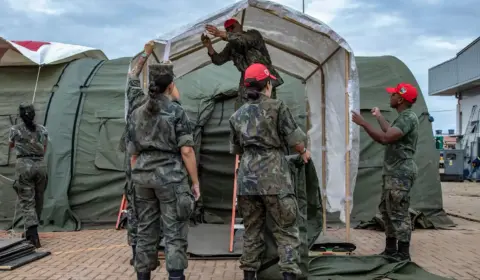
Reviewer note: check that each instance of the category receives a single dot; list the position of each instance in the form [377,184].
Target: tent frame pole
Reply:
[347,146]
[324,135]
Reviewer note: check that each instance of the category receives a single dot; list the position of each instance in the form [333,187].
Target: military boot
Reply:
[390,247]
[143,275]
[289,276]
[403,253]
[32,236]
[176,275]
[249,275]
[132,260]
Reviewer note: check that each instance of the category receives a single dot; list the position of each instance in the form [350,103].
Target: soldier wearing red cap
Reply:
[259,130]
[399,167]
[243,48]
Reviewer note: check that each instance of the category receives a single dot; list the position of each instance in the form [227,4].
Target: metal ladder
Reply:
[235,224]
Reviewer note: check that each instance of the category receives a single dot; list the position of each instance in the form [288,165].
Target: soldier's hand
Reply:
[215,32]
[376,112]
[306,156]
[357,118]
[149,47]
[205,40]
[196,191]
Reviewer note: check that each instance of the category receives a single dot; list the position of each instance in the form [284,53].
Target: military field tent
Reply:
[31,71]
[317,56]
[86,191]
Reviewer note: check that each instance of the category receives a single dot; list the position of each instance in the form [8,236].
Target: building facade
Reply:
[460,77]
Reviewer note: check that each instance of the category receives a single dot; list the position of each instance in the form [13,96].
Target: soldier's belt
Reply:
[30,156]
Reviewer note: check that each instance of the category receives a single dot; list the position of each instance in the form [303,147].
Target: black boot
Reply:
[289,276]
[249,275]
[390,247]
[32,236]
[132,260]
[176,275]
[403,253]
[143,275]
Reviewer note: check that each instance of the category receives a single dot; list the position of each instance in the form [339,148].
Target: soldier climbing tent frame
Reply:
[304,48]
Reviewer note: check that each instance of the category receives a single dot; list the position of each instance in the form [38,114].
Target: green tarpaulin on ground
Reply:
[366,268]
[82,105]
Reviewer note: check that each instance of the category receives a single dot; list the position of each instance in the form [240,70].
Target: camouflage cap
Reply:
[26,106]
[159,69]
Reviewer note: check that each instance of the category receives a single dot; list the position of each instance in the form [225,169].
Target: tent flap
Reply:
[57,213]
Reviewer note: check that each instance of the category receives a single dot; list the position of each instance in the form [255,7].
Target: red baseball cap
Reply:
[257,72]
[229,22]
[407,91]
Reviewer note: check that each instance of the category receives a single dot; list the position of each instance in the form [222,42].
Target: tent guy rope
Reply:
[36,83]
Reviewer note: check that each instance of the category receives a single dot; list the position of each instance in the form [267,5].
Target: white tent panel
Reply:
[290,34]
[335,128]
[298,44]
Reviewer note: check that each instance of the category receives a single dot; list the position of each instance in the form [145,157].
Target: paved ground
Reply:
[103,254]
[462,199]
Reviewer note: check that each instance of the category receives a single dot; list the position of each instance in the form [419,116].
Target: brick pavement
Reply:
[103,254]
[462,199]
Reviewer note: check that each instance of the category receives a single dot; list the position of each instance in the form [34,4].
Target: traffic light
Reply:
[439,142]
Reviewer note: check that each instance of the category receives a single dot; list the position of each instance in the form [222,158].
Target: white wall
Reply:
[469,98]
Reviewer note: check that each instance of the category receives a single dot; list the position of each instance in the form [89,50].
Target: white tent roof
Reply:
[22,53]
[303,47]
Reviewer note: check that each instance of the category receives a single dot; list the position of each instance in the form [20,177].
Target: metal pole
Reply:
[303,6]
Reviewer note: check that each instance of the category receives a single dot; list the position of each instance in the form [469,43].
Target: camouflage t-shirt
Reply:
[259,131]
[399,156]
[28,143]
[156,140]
[245,49]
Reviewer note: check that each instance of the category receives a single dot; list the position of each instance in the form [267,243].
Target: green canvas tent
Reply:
[82,105]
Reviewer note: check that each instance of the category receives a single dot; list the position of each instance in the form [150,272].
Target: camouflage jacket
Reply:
[259,131]
[156,140]
[244,49]
[28,143]
[399,156]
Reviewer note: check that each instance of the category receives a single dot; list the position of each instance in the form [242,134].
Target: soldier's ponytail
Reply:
[155,88]
[255,88]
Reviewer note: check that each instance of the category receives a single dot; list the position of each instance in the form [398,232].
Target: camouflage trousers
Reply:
[174,206]
[31,182]
[283,210]
[132,221]
[394,206]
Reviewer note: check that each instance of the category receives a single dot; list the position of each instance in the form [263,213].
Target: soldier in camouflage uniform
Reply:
[399,167]
[30,142]
[160,141]
[259,131]
[135,98]
[243,48]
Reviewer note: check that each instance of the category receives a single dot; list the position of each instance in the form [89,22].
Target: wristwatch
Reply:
[304,151]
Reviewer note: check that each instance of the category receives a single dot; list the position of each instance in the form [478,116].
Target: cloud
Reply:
[421,33]
[438,43]
[47,7]
[326,10]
